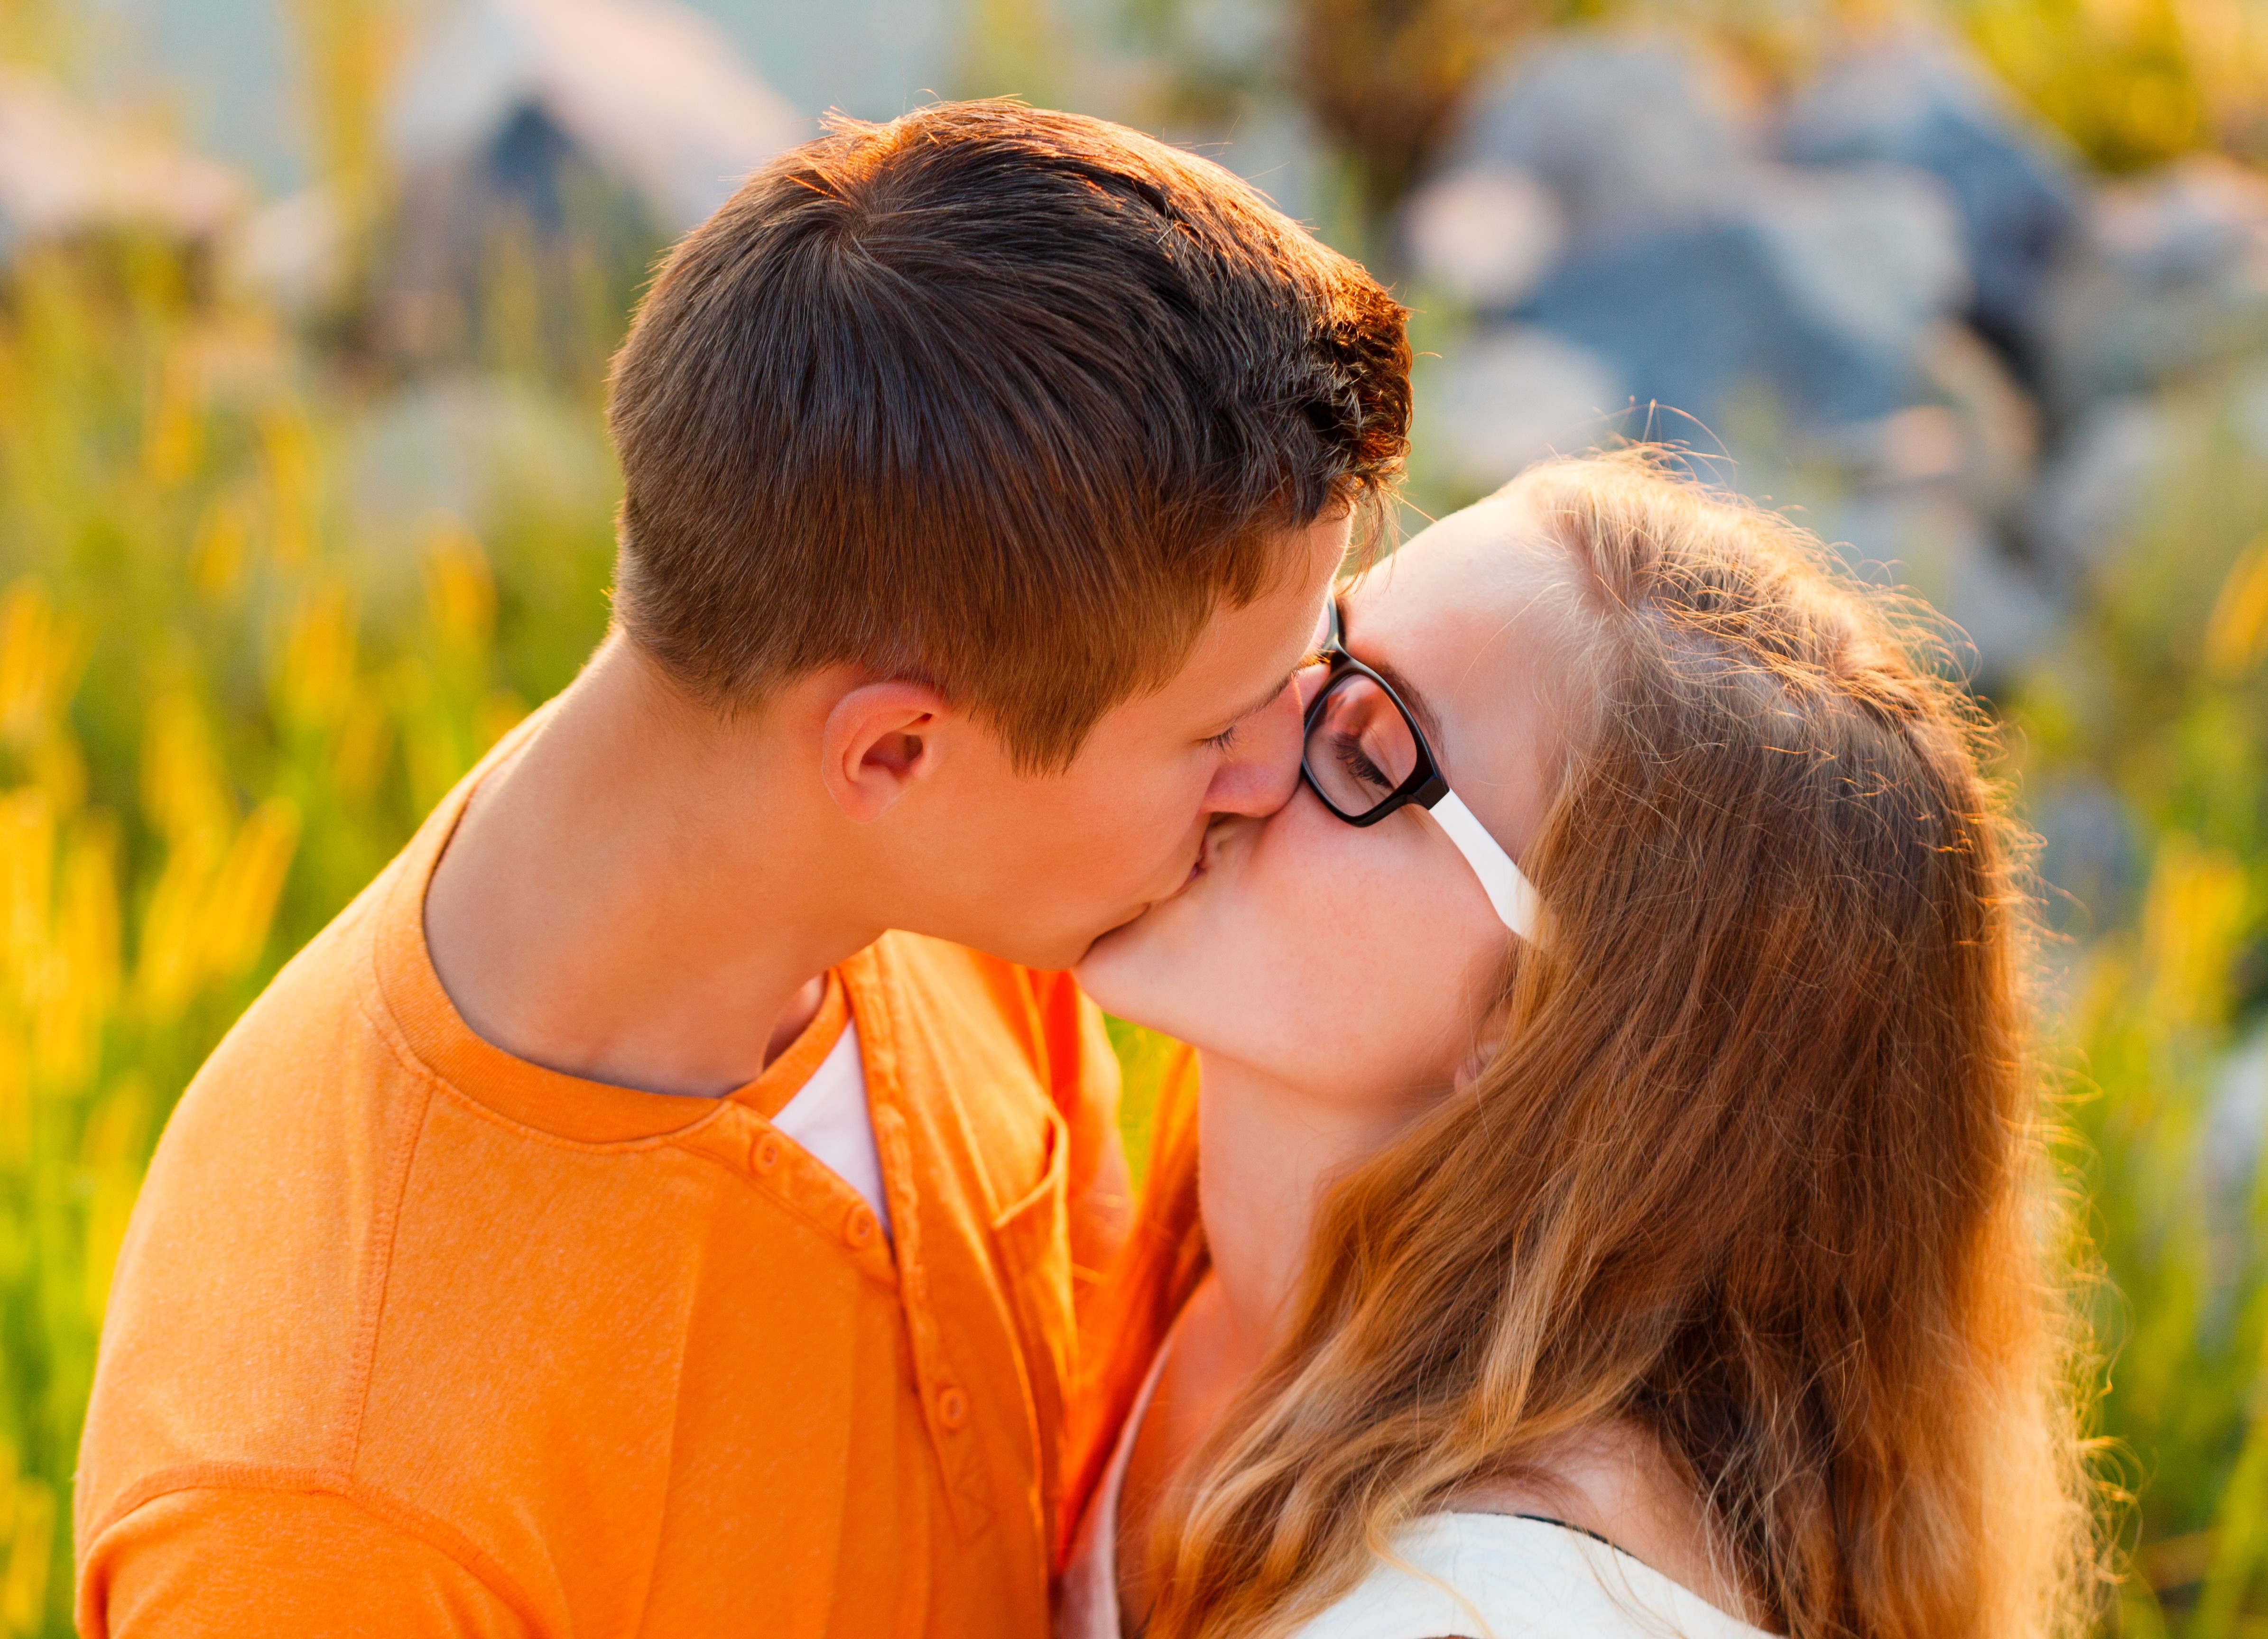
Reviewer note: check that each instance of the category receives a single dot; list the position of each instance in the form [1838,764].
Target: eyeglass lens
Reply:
[1359,749]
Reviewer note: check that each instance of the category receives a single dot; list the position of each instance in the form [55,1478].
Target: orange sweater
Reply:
[411,1336]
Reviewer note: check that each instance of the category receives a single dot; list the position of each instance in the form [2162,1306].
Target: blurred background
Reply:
[305,496]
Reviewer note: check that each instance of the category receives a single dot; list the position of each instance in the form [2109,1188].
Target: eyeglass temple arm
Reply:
[1508,888]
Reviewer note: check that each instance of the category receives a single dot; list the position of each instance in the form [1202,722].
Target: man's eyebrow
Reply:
[1266,700]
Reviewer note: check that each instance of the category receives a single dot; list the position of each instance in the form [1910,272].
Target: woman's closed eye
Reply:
[1347,748]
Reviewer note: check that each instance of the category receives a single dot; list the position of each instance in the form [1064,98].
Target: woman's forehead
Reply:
[1465,592]
[1469,613]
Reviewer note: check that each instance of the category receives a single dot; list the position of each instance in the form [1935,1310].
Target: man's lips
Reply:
[1197,869]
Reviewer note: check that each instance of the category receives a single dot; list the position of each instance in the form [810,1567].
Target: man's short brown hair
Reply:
[1004,399]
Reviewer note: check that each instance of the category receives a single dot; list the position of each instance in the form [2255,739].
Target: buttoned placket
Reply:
[944,1402]
[773,1163]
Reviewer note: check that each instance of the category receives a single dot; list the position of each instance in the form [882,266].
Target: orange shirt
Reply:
[410,1336]
[1125,1316]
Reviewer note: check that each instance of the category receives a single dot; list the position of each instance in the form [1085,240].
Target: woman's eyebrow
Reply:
[1412,696]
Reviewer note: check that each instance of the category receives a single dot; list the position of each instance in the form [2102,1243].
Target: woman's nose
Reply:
[1259,775]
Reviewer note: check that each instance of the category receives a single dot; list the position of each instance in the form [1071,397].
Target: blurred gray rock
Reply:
[2090,860]
[2121,457]
[1972,434]
[1511,396]
[1486,234]
[1630,134]
[1989,425]
[2237,1128]
[548,148]
[1993,619]
[2093,489]
[65,170]
[1818,285]
[473,447]
[2173,276]
[294,251]
[1872,252]
[2228,1155]
[1920,100]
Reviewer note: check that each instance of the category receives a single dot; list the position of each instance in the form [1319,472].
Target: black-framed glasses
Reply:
[1365,757]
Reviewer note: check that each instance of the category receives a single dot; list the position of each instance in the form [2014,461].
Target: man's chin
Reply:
[1102,941]
[1066,951]
[1075,947]
[1098,941]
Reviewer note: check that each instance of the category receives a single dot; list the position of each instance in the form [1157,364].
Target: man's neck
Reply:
[621,903]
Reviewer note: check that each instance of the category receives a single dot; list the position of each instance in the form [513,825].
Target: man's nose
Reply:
[1259,775]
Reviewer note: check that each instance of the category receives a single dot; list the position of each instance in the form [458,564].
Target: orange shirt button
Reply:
[859,1228]
[764,1153]
[951,1408]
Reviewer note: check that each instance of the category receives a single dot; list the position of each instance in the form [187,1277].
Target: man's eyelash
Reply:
[1226,737]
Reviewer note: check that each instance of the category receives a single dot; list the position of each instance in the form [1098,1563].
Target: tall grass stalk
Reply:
[207,744]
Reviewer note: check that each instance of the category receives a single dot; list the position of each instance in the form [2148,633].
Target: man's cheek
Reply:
[1134,832]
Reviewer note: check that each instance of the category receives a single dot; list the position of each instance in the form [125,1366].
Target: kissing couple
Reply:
[683,1195]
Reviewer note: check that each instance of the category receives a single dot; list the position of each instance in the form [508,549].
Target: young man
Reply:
[609,1226]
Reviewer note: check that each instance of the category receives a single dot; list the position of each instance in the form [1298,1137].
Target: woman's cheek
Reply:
[1327,954]
[1329,925]
[1426,942]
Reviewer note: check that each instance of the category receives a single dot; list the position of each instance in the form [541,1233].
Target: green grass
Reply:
[2160,696]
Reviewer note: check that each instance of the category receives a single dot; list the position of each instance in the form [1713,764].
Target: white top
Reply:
[1466,1575]
[827,1117]
[1089,1606]
[1509,1576]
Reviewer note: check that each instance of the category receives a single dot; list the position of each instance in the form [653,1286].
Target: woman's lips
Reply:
[1198,866]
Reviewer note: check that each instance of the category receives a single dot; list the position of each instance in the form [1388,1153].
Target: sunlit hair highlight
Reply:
[1758,1163]
[1003,399]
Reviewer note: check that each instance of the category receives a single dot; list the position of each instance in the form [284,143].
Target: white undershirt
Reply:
[827,1117]
[1490,1575]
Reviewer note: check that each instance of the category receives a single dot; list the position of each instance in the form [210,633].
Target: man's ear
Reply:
[877,741]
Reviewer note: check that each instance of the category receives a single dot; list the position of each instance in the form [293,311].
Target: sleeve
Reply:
[252,1564]
[1083,1079]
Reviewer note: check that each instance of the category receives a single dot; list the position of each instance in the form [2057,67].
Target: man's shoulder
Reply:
[312,1051]
[236,1301]
[290,1555]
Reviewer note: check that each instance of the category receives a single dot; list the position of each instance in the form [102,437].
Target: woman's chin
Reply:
[1152,970]
[1146,970]
[1111,971]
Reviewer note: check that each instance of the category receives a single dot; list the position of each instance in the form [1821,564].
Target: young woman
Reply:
[1621,1206]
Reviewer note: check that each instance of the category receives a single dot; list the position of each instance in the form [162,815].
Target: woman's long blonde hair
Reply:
[1757,1164]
